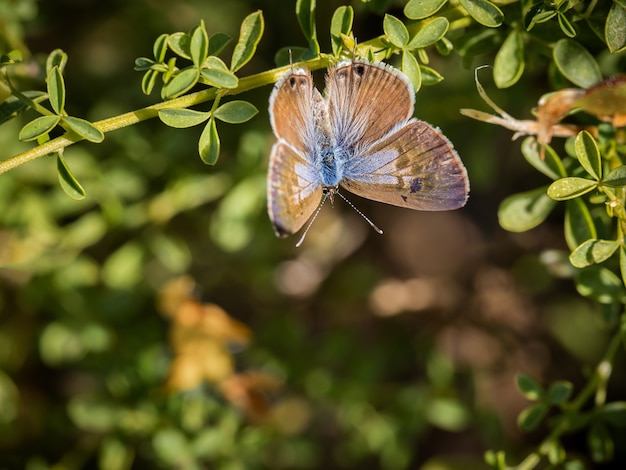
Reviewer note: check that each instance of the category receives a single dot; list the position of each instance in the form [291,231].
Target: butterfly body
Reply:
[359,136]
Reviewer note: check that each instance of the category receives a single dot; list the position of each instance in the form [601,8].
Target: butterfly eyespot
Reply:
[359,70]
[292,82]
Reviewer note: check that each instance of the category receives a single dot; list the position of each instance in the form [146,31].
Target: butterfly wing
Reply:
[366,101]
[415,167]
[293,185]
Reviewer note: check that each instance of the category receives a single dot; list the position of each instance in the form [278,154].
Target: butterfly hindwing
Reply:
[415,167]
[367,101]
[293,189]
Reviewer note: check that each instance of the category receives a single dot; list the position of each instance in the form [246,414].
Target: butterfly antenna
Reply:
[360,213]
[306,230]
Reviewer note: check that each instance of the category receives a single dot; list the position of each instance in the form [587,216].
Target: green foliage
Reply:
[88,268]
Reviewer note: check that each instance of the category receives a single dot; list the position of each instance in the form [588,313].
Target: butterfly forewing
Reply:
[416,167]
[366,102]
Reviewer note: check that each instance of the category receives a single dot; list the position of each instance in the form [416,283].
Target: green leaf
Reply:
[182,118]
[149,81]
[217,43]
[180,43]
[524,211]
[616,177]
[615,28]
[529,387]
[159,49]
[579,225]
[509,62]
[566,26]
[483,11]
[305,11]
[530,418]
[588,154]
[431,32]
[170,446]
[341,23]
[419,9]
[12,106]
[556,453]
[57,58]
[411,69]
[622,263]
[216,73]
[550,165]
[570,187]
[576,63]
[593,252]
[601,285]
[199,45]
[395,31]
[249,36]
[83,128]
[68,182]
[559,392]
[181,83]
[601,446]
[38,127]
[56,90]
[613,413]
[430,76]
[235,112]
[209,143]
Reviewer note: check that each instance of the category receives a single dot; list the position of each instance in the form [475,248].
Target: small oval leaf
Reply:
[182,118]
[38,127]
[341,23]
[570,187]
[395,31]
[593,252]
[181,83]
[550,165]
[430,76]
[235,112]
[509,62]
[431,32]
[576,63]
[419,9]
[524,211]
[249,36]
[588,154]
[579,225]
[68,182]
[159,49]
[199,45]
[532,416]
[616,177]
[56,90]
[217,43]
[559,392]
[529,387]
[83,128]
[412,70]
[615,28]
[219,78]
[483,11]
[209,143]
[601,285]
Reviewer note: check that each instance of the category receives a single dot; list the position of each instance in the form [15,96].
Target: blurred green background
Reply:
[158,323]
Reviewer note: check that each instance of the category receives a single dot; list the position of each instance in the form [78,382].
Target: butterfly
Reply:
[361,136]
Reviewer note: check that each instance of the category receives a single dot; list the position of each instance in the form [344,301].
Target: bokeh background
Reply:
[158,323]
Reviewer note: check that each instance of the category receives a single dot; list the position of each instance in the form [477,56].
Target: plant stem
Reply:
[134,117]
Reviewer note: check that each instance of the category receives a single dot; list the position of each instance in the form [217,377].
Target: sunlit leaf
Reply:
[615,28]
[593,252]
[56,90]
[235,112]
[209,143]
[550,165]
[419,9]
[149,81]
[431,32]
[570,187]
[249,36]
[579,225]
[341,23]
[616,177]
[38,127]
[524,211]
[182,118]
[509,62]
[57,58]
[199,45]
[588,154]
[216,74]
[483,11]
[68,182]
[180,43]
[395,31]
[576,63]
[566,26]
[83,128]
[412,70]
[159,49]
[181,83]
[600,284]
[430,76]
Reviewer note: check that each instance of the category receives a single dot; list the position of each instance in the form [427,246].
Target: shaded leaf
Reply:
[601,445]
[419,9]
[524,211]
[430,76]
[68,182]
[341,23]
[566,26]
[209,143]
[588,154]
[13,106]
[305,11]
[601,285]
[509,62]
[235,112]
[56,90]
[615,28]
[411,69]
[530,418]
[181,83]
[593,252]
[550,165]
[182,118]
[579,225]
[576,63]
[616,177]
[396,31]
[570,187]
[249,36]
[217,43]
[483,11]
[431,32]
[529,387]
[38,127]
[83,128]
[559,392]
[613,413]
